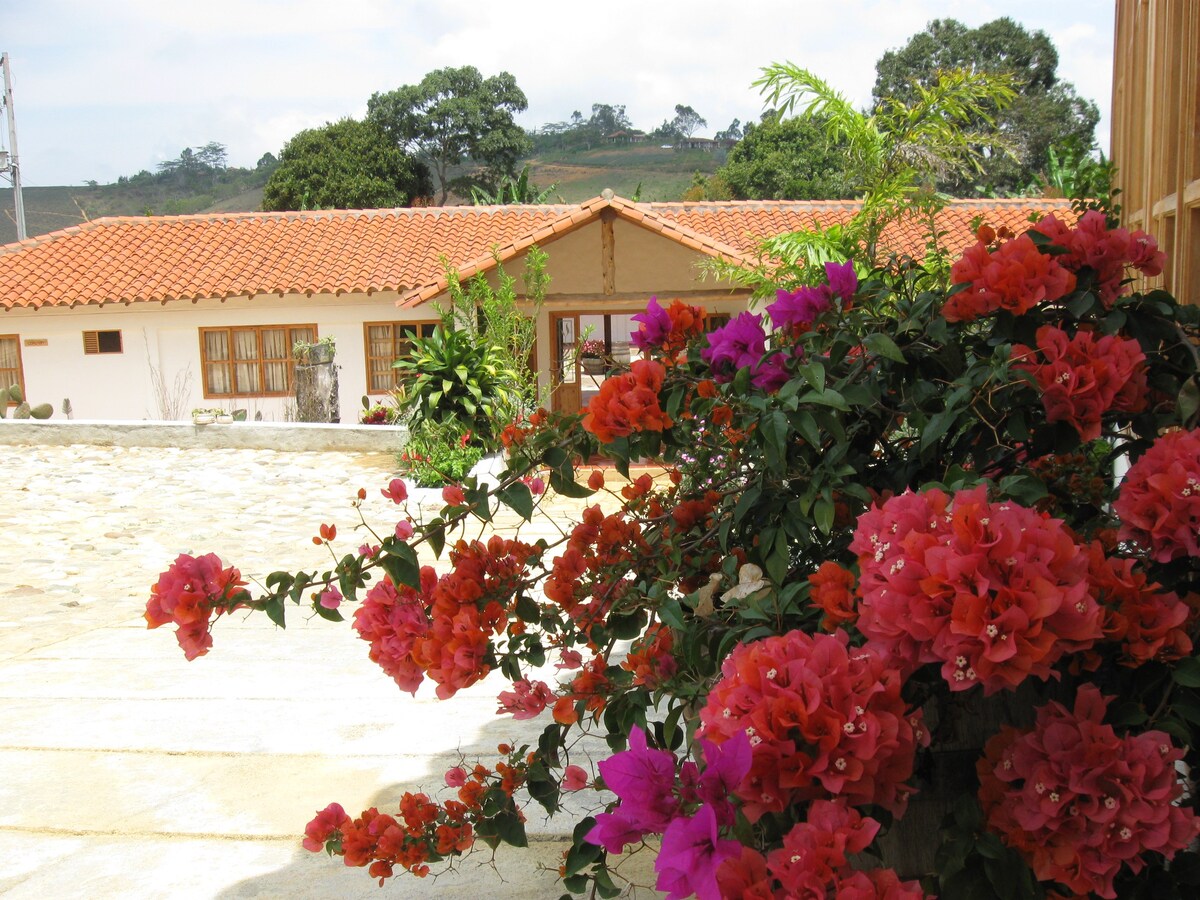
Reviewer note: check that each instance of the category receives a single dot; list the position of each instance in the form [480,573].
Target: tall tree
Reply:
[790,159]
[349,164]
[1045,113]
[687,120]
[456,116]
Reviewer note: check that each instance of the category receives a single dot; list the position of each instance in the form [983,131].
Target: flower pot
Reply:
[224,420]
[592,365]
[203,419]
[318,354]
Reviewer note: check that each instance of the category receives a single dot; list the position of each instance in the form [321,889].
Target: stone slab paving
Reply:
[129,772]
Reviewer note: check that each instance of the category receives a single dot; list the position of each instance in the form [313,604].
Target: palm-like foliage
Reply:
[894,154]
[513,190]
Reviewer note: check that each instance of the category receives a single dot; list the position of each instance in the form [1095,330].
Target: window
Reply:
[255,361]
[10,361]
[101,342]
[386,342]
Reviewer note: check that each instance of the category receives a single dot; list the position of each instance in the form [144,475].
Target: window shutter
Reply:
[91,342]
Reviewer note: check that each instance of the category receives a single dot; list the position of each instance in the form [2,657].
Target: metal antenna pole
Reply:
[14,164]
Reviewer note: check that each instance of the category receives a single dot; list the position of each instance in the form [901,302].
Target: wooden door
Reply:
[564,362]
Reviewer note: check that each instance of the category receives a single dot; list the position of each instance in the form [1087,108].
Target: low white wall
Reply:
[246,435]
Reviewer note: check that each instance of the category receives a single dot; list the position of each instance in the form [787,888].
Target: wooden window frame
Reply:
[229,331]
[420,324]
[4,382]
[91,342]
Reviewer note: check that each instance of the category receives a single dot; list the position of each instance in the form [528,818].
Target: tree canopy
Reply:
[348,164]
[687,120]
[790,159]
[1045,113]
[455,116]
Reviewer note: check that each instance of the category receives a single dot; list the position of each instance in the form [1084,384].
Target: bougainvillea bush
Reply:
[907,538]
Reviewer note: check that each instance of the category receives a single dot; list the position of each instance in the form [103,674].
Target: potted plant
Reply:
[591,356]
[315,353]
[224,416]
[203,416]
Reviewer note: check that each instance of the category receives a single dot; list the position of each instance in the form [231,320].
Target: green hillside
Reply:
[660,174]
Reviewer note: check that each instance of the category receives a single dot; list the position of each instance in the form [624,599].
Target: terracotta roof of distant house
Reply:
[165,258]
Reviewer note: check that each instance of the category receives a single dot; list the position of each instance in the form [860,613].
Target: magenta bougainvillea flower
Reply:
[654,326]
[795,311]
[692,851]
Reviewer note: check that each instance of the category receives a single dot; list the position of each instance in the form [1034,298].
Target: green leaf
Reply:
[828,397]
[1187,672]
[814,374]
[807,426]
[275,611]
[518,498]
[938,425]
[823,511]
[527,609]
[568,487]
[882,345]
[629,626]
[399,560]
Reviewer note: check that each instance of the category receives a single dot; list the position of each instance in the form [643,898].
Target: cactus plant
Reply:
[14,394]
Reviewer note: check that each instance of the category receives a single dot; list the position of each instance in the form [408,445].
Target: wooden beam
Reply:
[608,255]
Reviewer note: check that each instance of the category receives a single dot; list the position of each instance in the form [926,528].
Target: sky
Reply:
[103,89]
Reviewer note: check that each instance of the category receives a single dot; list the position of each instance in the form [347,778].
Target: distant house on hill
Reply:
[217,300]
[626,137]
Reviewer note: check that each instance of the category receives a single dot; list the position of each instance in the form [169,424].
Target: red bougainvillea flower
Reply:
[833,591]
[329,821]
[1091,244]
[1148,622]
[1084,377]
[628,403]
[188,593]
[824,720]
[1015,277]
[1159,500]
[995,592]
[1078,801]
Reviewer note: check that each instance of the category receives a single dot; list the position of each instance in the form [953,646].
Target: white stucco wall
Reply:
[119,385]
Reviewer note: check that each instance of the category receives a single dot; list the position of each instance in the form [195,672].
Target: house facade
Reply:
[136,318]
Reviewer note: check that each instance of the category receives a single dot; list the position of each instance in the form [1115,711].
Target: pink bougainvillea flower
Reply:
[569,659]
[537,486]
[368,550]
[1082,378]
[816,851]
[843,282]
[453,495]
[456,777]
[575,779]
[188,594]
[331,598]
[822,720]
[1092,245]
[404,529]
[1159,500]
[692,851]
[644,779]
[1078,801]
[328,822]
[526,700]
[396,491]
[796,310]
[994,592]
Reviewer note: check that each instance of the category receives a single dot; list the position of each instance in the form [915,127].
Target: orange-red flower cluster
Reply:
[517,433]
[1148,622]
[586,579]
[650,659]
[1091,244]
[1078,802]
[1084,377]
[1159,501]
[445,631]
[188,593]
[1015,277]
[823,720]
[833,591]
[994,592]
[628,403]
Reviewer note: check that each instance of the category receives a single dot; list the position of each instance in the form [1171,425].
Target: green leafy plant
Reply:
[450,380]
[23,410]
[437,455]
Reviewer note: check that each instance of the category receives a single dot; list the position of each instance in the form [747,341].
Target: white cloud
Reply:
[111,86]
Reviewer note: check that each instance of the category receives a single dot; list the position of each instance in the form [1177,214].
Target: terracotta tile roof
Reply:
[165,258]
